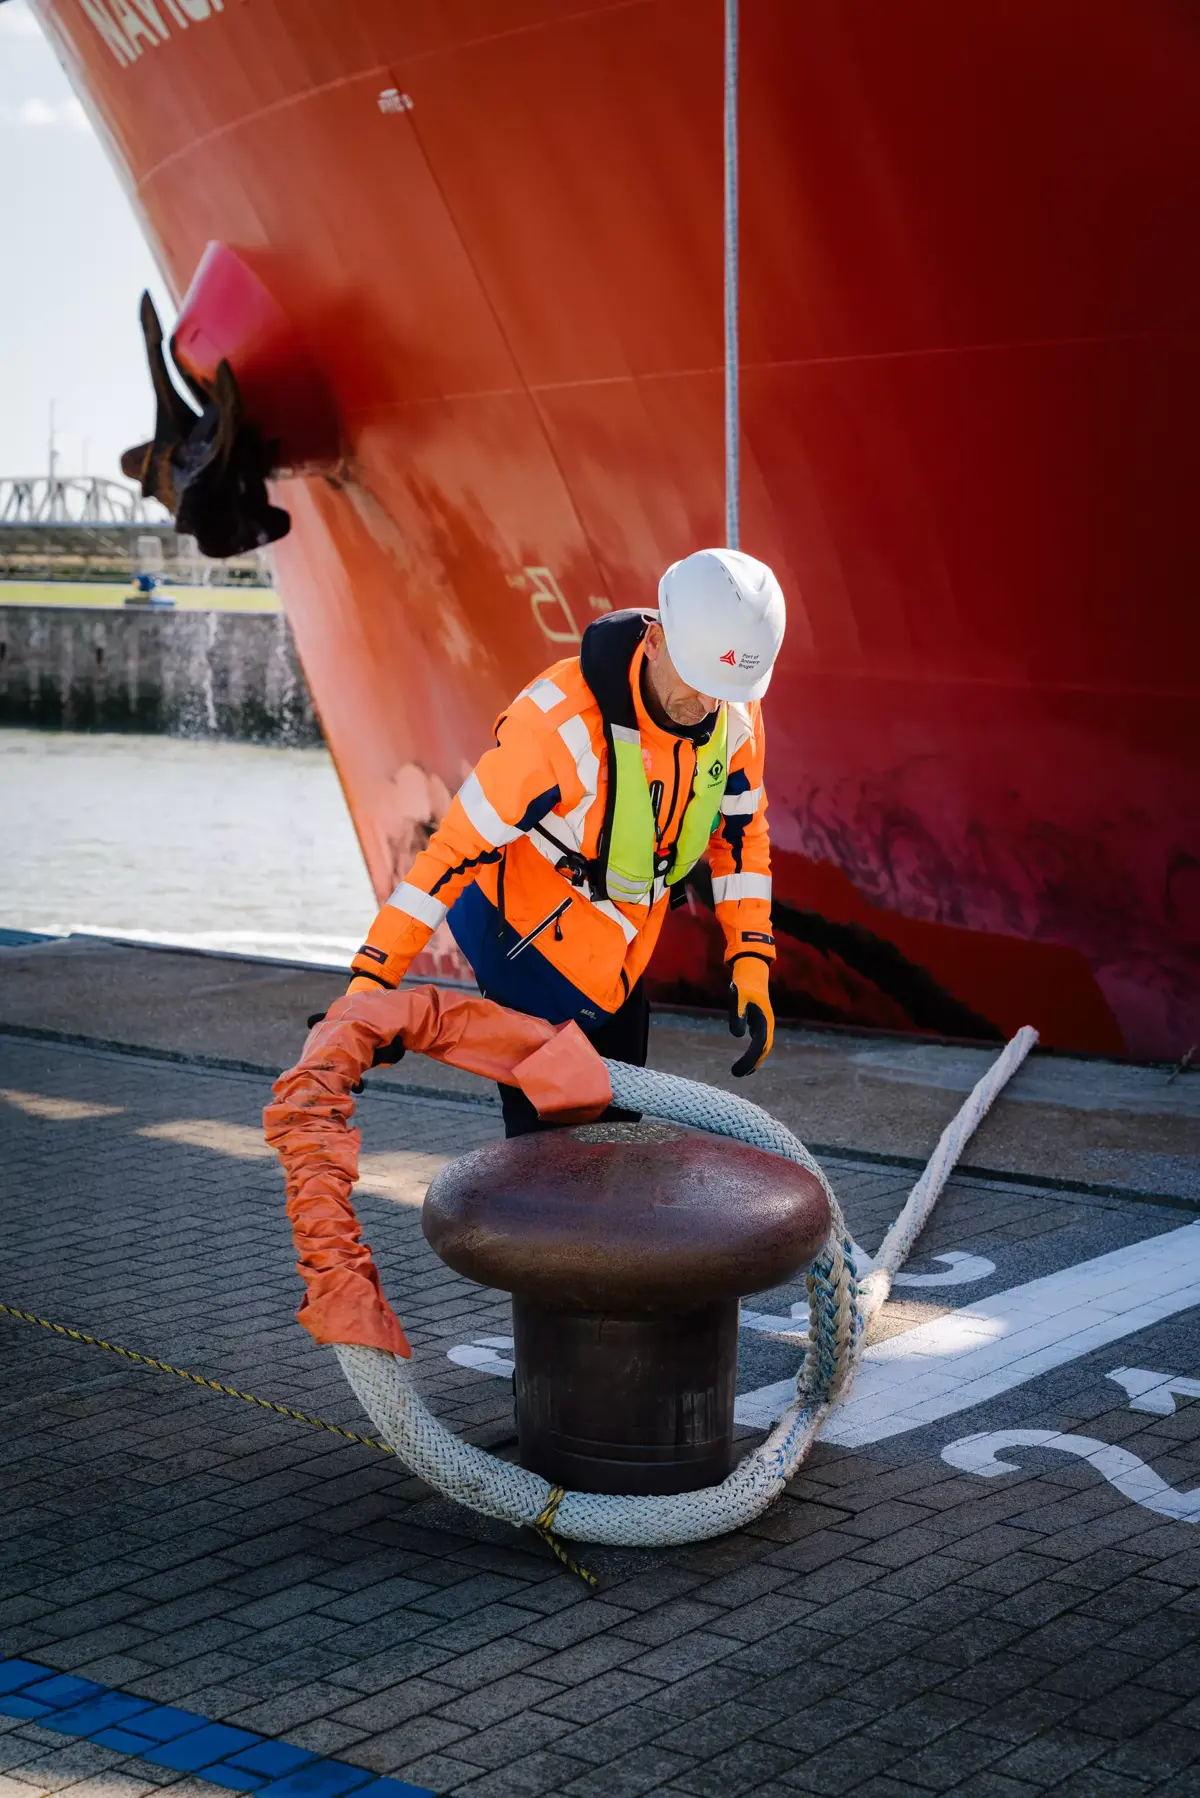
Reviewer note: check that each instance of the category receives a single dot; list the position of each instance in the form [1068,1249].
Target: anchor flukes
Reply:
[209,469]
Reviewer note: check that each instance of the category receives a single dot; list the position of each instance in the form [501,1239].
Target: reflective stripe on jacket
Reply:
[532,813]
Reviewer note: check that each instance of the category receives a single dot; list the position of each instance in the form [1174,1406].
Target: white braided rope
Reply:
[384,1387]
[894,1250]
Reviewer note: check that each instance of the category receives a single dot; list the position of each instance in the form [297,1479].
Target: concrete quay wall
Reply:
[234,675]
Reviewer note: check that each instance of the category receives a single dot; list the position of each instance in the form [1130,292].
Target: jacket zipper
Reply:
[656,798]
[550,918]
[674,795]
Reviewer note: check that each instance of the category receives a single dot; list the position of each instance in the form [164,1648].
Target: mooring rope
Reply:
[837,1318]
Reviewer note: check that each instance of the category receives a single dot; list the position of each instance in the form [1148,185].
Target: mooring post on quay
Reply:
[626,1248]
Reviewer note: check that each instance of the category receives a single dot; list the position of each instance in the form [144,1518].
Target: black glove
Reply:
[386,1055]
[745,1015]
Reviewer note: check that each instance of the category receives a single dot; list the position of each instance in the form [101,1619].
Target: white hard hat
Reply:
[724,617]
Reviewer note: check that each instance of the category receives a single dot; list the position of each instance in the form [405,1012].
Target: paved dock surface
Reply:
[906,1620]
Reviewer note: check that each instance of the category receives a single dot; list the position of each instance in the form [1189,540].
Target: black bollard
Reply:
[626,1248]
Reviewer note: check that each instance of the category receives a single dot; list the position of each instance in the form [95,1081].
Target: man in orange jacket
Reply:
[614,772]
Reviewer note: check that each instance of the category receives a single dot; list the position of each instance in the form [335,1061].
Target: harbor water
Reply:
[215,845]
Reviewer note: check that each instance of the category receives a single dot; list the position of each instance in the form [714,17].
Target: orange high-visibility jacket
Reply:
[537,800]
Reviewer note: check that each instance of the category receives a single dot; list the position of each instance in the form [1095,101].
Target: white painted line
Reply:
[1002,1341]
[1154,1392]
[982,1350]
[1122,1469]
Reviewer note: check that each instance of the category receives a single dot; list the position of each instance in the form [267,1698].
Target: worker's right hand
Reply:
[387,1054]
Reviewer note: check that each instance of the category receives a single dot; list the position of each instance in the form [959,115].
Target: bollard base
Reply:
[641,1405]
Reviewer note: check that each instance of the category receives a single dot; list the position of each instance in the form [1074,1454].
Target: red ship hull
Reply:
[970,292]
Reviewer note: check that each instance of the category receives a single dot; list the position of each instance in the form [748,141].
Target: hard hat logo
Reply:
[709,597]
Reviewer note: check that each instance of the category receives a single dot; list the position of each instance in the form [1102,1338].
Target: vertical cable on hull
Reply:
[732,405]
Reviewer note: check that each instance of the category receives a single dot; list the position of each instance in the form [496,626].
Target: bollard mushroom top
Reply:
[625,1217]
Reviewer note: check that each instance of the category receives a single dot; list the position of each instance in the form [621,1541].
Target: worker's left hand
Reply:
[750,1009]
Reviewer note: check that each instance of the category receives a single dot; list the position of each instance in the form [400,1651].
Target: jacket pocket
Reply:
[532,935]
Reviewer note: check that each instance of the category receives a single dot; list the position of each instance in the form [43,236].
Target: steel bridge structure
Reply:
[73,499]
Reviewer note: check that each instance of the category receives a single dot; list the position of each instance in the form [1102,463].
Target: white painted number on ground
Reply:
[960,1270]
[481,1355]
[1122,1469]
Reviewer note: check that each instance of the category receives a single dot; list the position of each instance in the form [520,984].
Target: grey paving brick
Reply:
[1023,1715]
[843,1766]
[1052,1756]
[1175,1673]
[1095,1782]
[396,1704]
[111,1784]
[388,1668]
[279,1715]
[612,1734]
[588,1658]
[510,1654]
[375,1600]
[171,1683]
[700,1693]
[503,1698]
[562,1629]
[641,1770]
[188,1644]
[743,1585]
[815,1725]
[1092,1673]
[527,1777]
[324,1736]
[529,1732]
[881,1643]
[52,1770]
[594,1698]
[738,1770]
[1156,1754]
[72,1652]
[943,1764]
[437,1772]
[667,1622]
[714,1731]
[990,1784]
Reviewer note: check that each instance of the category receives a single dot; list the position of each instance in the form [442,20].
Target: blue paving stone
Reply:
[323,1779]
[125,1743]
[224,1775]
[12,1704]
[163,1722]
[62,1688]
[15,1674]
[202,1746]
[102,1713]
[271,1758]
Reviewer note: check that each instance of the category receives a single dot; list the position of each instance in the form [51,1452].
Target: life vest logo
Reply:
[716,771]
[729,658]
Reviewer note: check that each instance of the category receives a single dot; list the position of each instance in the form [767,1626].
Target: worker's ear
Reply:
[654,642]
